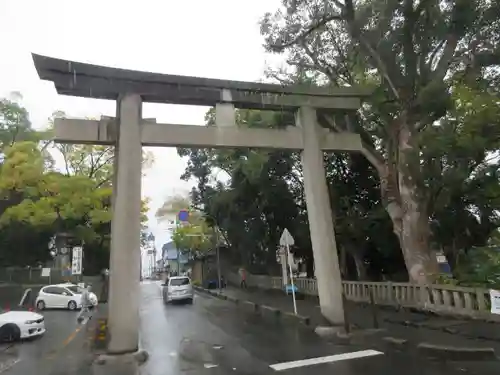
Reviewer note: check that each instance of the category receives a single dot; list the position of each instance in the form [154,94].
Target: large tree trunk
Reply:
[310,267]
[420,261]
[360,265]
[357,255]
[343,262]
[399,174]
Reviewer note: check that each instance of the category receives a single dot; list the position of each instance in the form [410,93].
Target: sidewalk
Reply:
[412,326]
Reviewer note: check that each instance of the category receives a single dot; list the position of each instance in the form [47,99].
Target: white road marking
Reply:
[6,365]
[210,365]
[327,359]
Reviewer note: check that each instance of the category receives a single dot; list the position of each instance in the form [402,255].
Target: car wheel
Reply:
[190,301]
[10,333]
[40,305]
[72,305]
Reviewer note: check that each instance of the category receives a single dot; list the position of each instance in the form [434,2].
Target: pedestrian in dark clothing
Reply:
[243,277]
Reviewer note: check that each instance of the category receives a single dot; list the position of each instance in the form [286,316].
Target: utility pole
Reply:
[217,252]
[154,259]
[140,266]
[286,241]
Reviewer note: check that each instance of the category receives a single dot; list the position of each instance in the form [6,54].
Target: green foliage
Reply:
[172,206]
[480,267]
[49,197]
[38,202]
[194,240]
[15,125]
[430,127]
[194,237]
[94,162]
[265,195]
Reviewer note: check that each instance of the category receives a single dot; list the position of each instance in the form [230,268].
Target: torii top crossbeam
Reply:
[94,81]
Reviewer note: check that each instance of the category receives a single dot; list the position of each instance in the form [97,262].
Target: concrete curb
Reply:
[339,332]
[456,353]
[451,329]
[490,319]
[304,319]
[271,310]
[395,341]
[257,308]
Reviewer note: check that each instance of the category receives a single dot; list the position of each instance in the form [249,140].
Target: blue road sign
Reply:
[183,215]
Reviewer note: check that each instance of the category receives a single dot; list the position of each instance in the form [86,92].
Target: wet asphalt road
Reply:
[213,337]
[53,353]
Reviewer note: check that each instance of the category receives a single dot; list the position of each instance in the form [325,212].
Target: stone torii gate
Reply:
[128,132]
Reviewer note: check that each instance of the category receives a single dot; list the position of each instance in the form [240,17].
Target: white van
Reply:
[178,288]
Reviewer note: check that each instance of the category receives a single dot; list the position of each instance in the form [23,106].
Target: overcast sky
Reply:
[216,39]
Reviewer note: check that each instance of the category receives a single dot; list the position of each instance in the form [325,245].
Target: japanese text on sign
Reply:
[76,263]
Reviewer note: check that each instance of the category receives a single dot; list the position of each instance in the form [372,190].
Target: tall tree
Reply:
[265,195]
[39,201]
[15,125]
[409,49]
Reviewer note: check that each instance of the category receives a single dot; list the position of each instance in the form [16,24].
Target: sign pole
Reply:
[287,247]
[286,240]
[284,262]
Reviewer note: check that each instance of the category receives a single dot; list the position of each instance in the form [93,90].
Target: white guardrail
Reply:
[449,299]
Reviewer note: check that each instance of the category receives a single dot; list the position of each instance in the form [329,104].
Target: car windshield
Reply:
[179,282]
[74,289]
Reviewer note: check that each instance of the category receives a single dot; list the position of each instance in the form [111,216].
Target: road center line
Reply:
[71,337]
[328,359]
[68,340]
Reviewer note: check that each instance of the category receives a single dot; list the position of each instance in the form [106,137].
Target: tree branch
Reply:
[446,57]
[368,151]
[309,30]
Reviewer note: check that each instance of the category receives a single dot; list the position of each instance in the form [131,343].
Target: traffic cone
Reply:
[7,308]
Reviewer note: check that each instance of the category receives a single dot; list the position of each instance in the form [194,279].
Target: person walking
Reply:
[86,303]
[243,278]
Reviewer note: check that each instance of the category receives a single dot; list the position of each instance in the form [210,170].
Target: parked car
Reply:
[62,296]
[16,325]
[178,288]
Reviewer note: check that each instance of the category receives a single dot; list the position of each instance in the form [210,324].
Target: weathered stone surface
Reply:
[93,81]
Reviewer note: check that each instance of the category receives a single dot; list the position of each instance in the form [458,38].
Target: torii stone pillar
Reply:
[319,212]
[123,326]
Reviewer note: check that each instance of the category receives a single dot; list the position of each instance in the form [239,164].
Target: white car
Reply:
[178,288]
[16,325]
[62,296]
